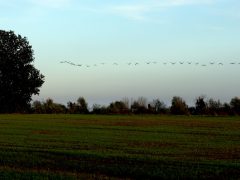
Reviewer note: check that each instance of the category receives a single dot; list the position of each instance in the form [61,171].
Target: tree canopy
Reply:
[19,79]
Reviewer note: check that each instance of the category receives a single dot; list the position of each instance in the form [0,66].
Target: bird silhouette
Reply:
[181,62]
[173,63]
[212,63]
[220,63]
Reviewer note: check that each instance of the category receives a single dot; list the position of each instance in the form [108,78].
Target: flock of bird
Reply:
[149,63]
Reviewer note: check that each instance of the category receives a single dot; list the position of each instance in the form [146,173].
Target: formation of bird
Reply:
[150,63]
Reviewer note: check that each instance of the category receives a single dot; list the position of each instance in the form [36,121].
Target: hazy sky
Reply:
[92,32]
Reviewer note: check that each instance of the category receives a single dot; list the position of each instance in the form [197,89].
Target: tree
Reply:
[201,105]
[159,106]
[214,107]
[19,80]
[38,107]
[179,107]
[82,105]
[139,106]
[72,107]
[118,107]
[235,105]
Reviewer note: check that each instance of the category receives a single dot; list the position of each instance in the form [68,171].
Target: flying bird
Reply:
[181,62]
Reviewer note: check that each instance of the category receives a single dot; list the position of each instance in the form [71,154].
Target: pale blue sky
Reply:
[92,32]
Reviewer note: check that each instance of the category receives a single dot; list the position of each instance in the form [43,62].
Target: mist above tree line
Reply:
[141,105]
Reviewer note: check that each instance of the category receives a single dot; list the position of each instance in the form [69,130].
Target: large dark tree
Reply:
[19,80]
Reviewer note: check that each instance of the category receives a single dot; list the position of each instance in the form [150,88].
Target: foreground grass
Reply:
[134,147]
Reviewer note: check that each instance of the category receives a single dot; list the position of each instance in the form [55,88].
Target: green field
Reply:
[133,147]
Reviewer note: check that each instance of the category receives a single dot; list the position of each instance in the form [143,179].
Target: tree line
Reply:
[19,80]
[202,106]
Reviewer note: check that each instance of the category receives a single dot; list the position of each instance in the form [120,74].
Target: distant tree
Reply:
[96,109]
[19,80]
[49,106]
[82,105]
[235,105]
[179,107]
[226,109]
[201,105]
[72,107]
[142,101]
[53,108]
[158,106]
[125,100]
[139,106]
[79,107]
[192,110]
[38,107]
[214,107]
[118,107]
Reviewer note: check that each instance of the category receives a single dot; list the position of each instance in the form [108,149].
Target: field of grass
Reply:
[112,147]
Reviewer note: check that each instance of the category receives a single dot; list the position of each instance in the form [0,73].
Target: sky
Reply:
[131,31]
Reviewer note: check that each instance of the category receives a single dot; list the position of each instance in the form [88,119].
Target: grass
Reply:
[112,147]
